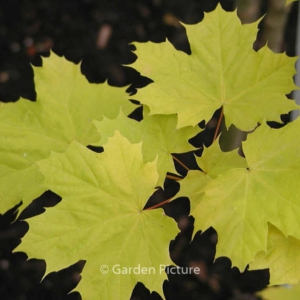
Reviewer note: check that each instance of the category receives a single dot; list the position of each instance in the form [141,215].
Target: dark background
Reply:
[99,34]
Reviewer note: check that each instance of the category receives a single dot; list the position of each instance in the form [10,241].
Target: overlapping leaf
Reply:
[66,104]
[282,257]
[101,220]
[223,70]
[159,135]
[240,202]
[212,163]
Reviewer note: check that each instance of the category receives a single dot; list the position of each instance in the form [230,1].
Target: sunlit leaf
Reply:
[212,163]
[282,258]
[240,201]
[101,219]
[159,135]
[222,71]
[66,104]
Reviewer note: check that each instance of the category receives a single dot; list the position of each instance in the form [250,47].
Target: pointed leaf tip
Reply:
[223,70]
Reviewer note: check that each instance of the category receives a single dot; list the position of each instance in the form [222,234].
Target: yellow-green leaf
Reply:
[241,201]
[159,135]
[101,219]
[281,293]
[212,163]
[66,104]
[282,257]
[223,70]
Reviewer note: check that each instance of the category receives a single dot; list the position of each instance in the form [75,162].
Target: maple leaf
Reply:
[159,135]
[222,71]
[281,257]
[240,202]
[212,163]
[101,219]
[66,104]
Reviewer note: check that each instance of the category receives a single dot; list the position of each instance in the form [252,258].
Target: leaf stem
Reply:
[218,125]
[158,204]
[174,177]
[181,163]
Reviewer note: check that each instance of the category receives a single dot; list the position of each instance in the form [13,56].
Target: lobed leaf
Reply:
[281,257]
[159,135]
[101,219]
[222,71]
[212,163]
[241,201]
[66,104]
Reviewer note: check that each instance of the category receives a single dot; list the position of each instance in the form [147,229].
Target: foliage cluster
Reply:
[248,195]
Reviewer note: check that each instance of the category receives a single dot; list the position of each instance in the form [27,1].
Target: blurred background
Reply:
[98,33]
